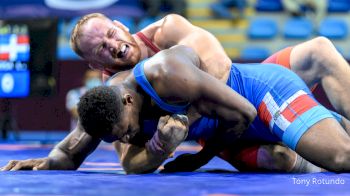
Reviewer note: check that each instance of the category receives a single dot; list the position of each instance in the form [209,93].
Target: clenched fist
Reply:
[173,129]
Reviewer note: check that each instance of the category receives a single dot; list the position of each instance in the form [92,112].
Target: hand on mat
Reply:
[173,129]
[30,164]
[184,163]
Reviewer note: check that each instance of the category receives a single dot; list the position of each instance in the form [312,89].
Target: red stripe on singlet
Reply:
[148,42]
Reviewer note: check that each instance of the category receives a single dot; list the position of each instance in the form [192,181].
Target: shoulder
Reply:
[174,56]
[118,78]
[174,20]
[170,61]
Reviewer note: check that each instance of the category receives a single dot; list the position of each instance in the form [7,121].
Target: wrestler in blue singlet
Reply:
[285,105]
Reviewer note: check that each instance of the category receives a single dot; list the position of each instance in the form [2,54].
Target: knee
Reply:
[322,52]
[279,158]
[284,157]
[340,161]
[320,48]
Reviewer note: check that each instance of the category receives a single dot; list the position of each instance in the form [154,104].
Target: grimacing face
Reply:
[108,44]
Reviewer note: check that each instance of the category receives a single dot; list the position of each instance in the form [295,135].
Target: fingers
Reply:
[24,165]
[9,166]
[163,121]
[182,118]
[19,165]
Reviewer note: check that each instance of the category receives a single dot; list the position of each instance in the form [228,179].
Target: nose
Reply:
[112,46]
[110,43]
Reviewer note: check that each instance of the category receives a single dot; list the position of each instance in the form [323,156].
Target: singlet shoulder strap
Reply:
[146,86]
[106,72]
[148,42]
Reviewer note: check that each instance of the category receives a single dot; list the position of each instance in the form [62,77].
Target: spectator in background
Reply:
[302,7]
[92,78]
[154,7]
[222,9]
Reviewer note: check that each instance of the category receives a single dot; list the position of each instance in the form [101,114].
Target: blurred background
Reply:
[41,77]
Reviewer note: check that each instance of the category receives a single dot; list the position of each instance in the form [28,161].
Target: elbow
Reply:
[250,114]
[245,118]
[175,18]
[134,169]
[128,168]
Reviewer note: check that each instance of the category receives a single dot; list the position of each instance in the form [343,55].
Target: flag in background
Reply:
[14,47]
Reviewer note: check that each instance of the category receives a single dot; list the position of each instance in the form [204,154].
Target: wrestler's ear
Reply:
[120,25]
[127,99]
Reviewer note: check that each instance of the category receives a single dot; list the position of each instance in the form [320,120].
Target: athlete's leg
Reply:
[327,145]
[273,157]
[318,61]
[248,156]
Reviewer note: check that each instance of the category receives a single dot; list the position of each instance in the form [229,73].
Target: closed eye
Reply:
[100,48]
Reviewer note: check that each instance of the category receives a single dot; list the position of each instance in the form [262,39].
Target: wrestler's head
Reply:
[109,113]
[106,44]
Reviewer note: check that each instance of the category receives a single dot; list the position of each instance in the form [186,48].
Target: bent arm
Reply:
[72,151]
[136,160]
[178,68]
[171,131]
[176,30]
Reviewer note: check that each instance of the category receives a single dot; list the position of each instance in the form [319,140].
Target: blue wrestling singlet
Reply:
[286,108]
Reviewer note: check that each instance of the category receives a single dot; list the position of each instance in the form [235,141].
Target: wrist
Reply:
[159,146]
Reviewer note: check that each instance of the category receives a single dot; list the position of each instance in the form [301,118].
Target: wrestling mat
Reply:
[101,174]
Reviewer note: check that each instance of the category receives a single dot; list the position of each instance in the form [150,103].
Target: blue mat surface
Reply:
[101,174]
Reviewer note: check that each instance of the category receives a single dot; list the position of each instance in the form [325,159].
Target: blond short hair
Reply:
[76,32]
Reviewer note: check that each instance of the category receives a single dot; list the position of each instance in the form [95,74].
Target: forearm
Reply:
[59,160]
[71,152]
[141,160]
[171,132]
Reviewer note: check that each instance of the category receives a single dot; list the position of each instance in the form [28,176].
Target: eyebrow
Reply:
[109,32]
[97,50]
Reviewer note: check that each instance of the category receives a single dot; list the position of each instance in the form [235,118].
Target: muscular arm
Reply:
[176,30]
[178,68]
[171,131]
[135,160]
[67,155]
[72,151]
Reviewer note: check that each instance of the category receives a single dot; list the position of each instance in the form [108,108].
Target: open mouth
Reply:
[123,51]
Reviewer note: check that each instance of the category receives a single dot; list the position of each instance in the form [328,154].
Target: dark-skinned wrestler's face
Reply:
[107,44]
[128,125]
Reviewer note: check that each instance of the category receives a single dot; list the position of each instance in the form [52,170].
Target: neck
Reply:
[145,51]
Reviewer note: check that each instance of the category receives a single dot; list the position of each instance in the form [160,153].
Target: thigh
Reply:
[281,57]
[326,144]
